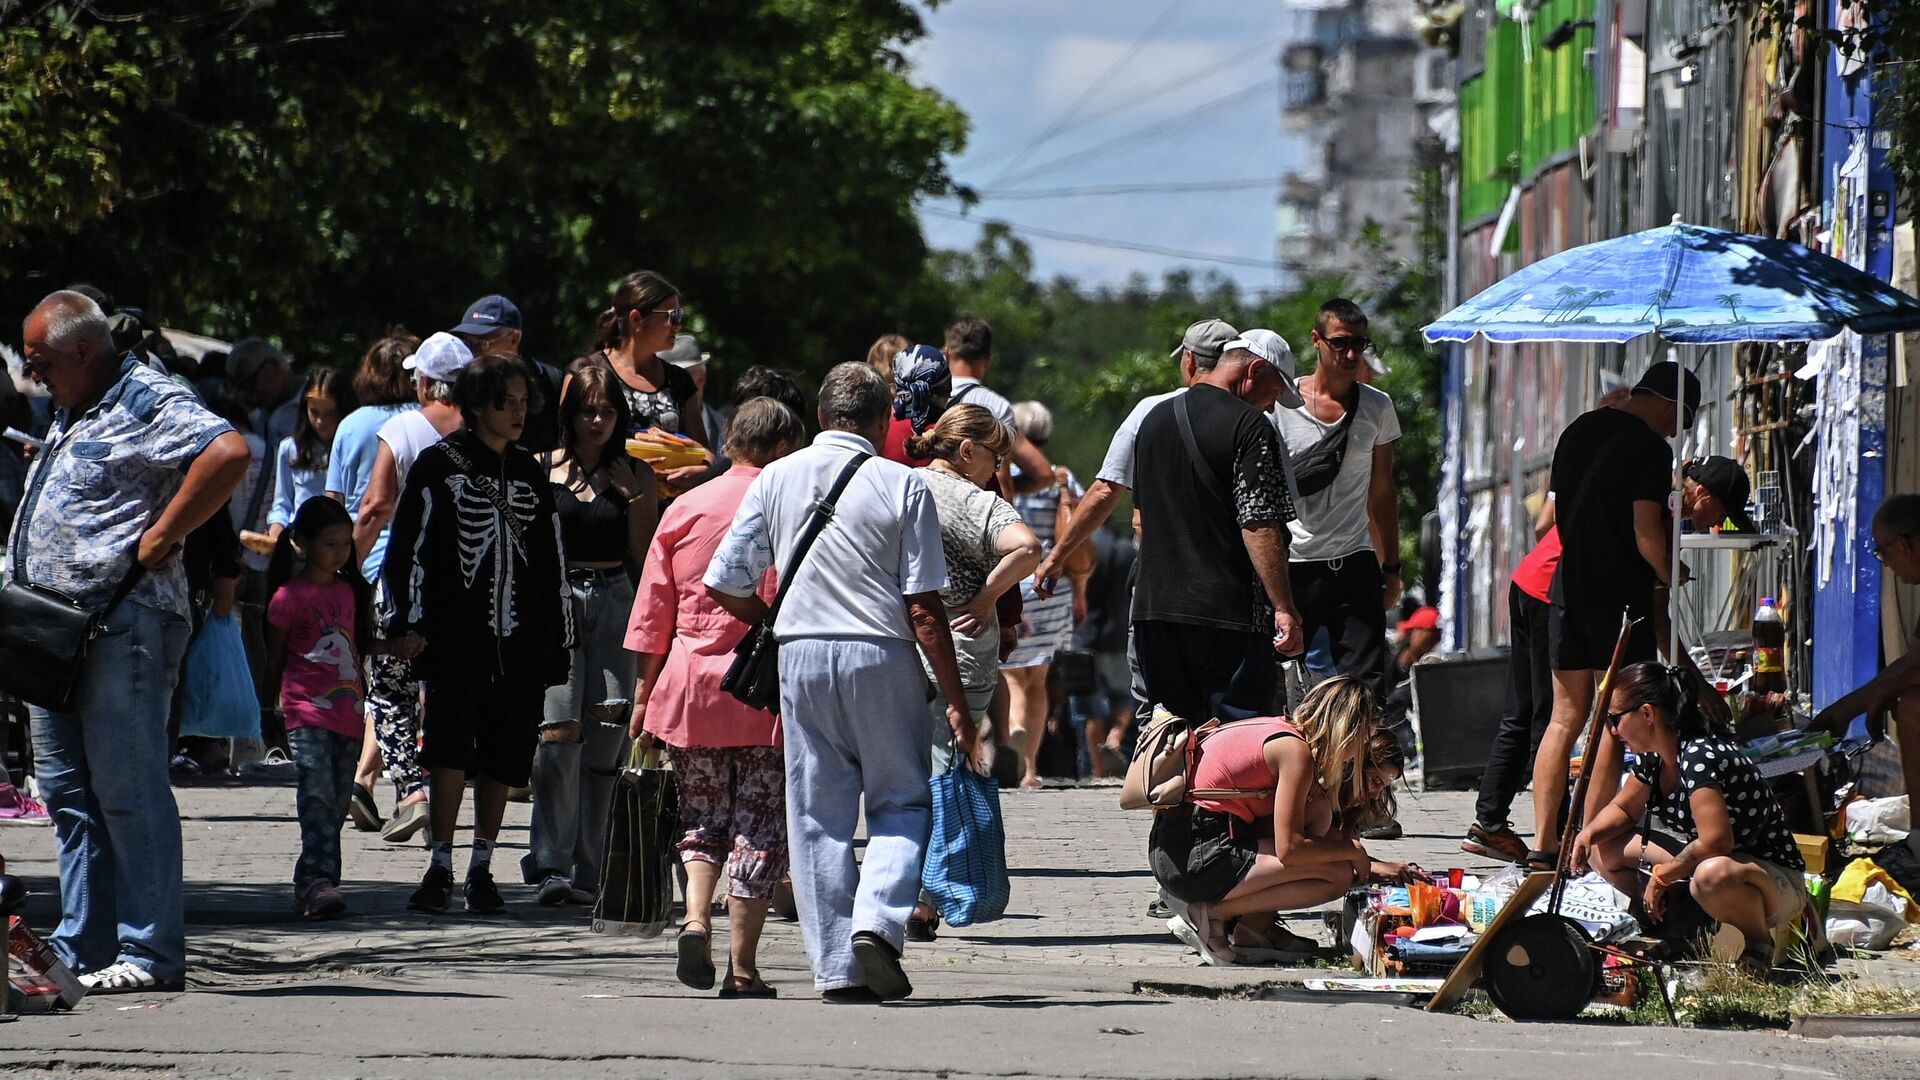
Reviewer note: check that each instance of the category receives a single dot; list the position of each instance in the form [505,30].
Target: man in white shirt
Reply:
[969,350]
[1345,555]
[852,694]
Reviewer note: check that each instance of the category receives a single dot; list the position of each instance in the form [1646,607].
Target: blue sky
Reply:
[1069,94]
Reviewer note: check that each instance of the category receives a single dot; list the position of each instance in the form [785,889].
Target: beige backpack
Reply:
[1163,762]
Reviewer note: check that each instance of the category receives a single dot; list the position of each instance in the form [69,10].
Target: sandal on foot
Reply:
[1276,945]
[740,986]
[1756,961]
[921,927]
[1543,860]
[695,967]
[126,977]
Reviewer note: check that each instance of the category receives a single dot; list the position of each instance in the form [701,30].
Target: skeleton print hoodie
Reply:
[474,565]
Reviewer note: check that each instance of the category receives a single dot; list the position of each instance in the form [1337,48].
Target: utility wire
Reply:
[1171,125]
[1098,84]
[1108,242]
[1181,81]
[1196,186]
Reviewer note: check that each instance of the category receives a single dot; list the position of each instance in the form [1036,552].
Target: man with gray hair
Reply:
[133,464]
[852,697]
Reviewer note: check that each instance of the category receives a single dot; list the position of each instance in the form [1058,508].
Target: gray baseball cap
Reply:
[1207,338]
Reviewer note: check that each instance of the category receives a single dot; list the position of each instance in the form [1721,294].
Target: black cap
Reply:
[1659,381]
[487,314]
[1725,480]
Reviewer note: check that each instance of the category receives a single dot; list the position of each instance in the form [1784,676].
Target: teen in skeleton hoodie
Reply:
[478,587]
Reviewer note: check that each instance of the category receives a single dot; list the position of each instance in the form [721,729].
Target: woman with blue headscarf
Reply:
[921,386]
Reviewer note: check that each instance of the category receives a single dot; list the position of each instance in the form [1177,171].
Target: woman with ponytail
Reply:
[1732,847]
[1284,849]
[637,326]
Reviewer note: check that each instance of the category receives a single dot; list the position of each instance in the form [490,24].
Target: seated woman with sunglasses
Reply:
[1282,850]
[1734,852]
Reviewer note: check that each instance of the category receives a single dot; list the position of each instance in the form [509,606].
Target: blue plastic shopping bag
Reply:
[220,702]
[966,867]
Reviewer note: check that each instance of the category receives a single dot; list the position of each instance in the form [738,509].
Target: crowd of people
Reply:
[453,573]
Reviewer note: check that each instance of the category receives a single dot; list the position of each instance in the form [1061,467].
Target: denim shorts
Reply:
[1200,855]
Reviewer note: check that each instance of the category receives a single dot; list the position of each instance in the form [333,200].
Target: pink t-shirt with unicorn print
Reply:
[321,686]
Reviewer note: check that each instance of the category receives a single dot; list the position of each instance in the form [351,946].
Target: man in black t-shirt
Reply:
[1612,472]
[1213,602]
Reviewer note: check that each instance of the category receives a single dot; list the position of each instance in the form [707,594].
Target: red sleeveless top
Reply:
[1235,756]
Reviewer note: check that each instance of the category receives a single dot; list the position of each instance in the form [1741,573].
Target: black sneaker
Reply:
[435,891]
[483,896]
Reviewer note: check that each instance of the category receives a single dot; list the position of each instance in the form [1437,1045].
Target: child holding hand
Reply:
[319,628]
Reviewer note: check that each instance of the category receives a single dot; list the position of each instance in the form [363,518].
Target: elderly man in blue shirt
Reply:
[133,464]
[853,697]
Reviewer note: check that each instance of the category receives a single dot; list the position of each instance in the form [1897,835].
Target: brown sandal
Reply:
[740,986]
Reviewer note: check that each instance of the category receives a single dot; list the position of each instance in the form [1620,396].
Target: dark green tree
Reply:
[319,170]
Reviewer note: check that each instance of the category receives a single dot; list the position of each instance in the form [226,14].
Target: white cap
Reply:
[440,357]
[685,352]
[1274,349]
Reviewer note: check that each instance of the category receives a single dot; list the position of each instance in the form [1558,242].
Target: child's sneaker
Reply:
[321,899]
[19,808]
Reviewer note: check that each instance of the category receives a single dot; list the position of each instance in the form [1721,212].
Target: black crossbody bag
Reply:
[1315,467]
[754,675]
[45,637]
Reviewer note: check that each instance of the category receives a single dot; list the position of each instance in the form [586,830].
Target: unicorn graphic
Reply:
[333,647]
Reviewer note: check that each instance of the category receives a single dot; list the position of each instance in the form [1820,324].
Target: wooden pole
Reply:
[1602,697]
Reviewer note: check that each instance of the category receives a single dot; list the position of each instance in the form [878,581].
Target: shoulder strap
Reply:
[816,521]
[1207,479]
[125,589]
[962,392]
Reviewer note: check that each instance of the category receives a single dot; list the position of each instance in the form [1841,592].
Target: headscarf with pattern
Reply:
[921,385]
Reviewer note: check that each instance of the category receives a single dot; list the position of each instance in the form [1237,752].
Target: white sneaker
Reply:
[124,977]
[554,890]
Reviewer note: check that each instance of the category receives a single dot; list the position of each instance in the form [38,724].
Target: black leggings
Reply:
[1529,709]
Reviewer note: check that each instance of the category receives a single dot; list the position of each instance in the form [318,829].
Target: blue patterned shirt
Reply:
[101,484]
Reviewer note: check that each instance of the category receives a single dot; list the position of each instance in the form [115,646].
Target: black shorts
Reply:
[482,727]
[1199,855]
[1582,639]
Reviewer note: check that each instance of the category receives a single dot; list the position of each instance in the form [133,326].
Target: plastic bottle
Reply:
[1769,650]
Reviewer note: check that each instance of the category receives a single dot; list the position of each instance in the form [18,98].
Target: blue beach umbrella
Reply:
[1689,284]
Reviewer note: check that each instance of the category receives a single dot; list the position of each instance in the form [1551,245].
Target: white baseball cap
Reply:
[1274,349]
[440,357]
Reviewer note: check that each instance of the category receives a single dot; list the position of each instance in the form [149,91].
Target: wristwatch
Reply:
[1390,568]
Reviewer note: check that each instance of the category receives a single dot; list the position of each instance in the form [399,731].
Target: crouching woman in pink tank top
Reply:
[1283,849]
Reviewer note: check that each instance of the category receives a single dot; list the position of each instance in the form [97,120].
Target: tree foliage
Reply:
[318,170]
[1090,354]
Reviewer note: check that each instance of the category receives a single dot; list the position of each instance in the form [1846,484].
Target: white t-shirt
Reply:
[995,403]
[1332,522]
[407,435]
[1118,467]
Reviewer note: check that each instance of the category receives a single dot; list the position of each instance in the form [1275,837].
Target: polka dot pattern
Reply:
[1759,825]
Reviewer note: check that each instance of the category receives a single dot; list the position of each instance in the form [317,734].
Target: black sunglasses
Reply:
[1347,343]
[1613,718]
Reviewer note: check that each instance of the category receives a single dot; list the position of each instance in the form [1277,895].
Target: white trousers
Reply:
[854,711]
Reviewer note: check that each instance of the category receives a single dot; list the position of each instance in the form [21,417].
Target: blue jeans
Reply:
[326,761]
[102,771]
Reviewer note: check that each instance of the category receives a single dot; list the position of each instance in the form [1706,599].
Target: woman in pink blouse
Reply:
[726,756]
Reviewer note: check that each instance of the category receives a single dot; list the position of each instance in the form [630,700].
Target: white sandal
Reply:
[124,977]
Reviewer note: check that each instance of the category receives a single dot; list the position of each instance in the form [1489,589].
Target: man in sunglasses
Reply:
[1896,543]
[1345,553]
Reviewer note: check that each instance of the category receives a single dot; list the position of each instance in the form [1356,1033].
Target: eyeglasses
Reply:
[676,316]
[1880,553]
[1349,343]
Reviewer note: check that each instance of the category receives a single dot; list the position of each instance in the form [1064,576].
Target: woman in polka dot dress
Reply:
[1732,849]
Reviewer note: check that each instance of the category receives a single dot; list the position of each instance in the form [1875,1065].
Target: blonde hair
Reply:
[955,426]
[880,355]
[1338,719]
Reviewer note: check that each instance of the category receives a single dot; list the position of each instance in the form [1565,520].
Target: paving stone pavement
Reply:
[1052,990]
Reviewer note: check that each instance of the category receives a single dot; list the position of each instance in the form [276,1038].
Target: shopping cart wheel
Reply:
[1541,968]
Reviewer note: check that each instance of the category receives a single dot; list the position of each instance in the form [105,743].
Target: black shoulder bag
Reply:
[1315,467]
[44,639]
[754,675]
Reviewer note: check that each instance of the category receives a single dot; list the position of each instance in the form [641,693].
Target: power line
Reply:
[1109,242]
[1181,81]
[1098,84]
[1171,125]
[1006,194]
